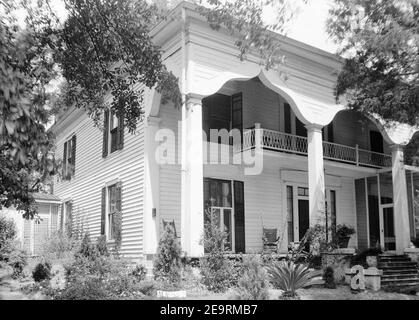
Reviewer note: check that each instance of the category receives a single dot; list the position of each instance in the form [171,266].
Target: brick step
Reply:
[400,276]
[397,264]
[400,281]
[399,270]
[393,259]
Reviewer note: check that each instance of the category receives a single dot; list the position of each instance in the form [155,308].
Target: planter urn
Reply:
[371,261]
[343,242]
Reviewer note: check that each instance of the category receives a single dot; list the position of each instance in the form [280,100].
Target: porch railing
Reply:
[284,142]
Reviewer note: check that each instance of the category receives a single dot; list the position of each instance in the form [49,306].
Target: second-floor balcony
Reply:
[284,142]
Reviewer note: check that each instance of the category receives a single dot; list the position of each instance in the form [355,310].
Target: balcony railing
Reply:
[284,142]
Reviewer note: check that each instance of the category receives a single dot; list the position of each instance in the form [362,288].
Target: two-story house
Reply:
[298,153]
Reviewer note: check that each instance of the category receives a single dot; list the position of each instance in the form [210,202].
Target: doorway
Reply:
[303,218]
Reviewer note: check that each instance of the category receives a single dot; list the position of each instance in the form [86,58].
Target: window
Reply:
[111,210]
[222,112]
[113,133]
[300,129]
[303,191]
[290,215]
[218,196]
[69,158]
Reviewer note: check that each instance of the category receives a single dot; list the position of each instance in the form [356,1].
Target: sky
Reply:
[309,26]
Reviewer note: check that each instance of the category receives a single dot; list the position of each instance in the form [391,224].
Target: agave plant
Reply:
[289,277]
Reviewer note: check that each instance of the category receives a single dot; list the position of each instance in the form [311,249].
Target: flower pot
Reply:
[343,242]
[371,261]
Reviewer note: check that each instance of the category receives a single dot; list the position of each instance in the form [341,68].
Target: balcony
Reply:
[283,142]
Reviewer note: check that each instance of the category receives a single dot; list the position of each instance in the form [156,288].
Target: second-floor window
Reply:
[113,133]
[220,111]
[69,158]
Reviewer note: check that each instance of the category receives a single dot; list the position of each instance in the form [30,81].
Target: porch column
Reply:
[192,215]
[316,187]
[151,212]
[400,202]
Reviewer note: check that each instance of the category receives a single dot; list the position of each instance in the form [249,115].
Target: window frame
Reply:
[221,209]
[110,237]
[68,161]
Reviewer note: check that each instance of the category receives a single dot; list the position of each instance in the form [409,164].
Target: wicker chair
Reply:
[270,239]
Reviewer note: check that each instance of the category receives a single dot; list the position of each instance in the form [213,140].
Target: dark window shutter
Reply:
[330,136]
[64,173]
[119,197]
[121,131]
[300,129]
[237,111]
[73,154]
[239,217]
[103,216]
[287,118]
[105,134]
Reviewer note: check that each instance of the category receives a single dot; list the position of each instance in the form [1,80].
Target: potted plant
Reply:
[343,235]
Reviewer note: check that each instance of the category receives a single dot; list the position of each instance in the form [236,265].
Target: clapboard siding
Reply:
[345,212]
[361,214]
[93,172]
[263,207]
[170,173]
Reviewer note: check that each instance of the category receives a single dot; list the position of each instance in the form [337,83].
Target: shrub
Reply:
[9,250]
[96,276]
[147,287]
[17,259]
[41,272]
[216,270]
[139,272]
[254,284]
[168,263]
[329,278]
[290,277]
[102,246]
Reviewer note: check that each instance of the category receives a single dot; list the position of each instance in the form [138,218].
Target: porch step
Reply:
[399,273]
[400,276]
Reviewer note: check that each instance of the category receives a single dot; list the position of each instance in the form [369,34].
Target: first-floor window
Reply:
[218,199]
[66,217]
[112,211]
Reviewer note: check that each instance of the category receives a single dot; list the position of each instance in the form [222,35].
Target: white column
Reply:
[192,215]
[400,202]
[316,187]
[151,189]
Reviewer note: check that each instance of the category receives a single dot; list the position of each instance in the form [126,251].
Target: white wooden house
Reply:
[298,148]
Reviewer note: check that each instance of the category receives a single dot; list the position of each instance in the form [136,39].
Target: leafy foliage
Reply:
[216,270]
[95,276]
[246,20]
[26,156]
[10,253]
[168,262]
[289,277]
[253,284]
[381,75]
[329,278]
[41,272]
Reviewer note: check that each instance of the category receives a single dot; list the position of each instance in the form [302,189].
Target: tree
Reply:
[381,40]
[102,49]
[25,146]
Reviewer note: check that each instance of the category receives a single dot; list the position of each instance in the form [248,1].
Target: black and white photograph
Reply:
[204,156]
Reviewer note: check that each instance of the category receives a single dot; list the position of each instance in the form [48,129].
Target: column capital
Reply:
[397,147]
[192,98]
[153,121]
[314,127]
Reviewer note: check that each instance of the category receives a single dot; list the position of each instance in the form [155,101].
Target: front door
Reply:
[388,234]
[303,217]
